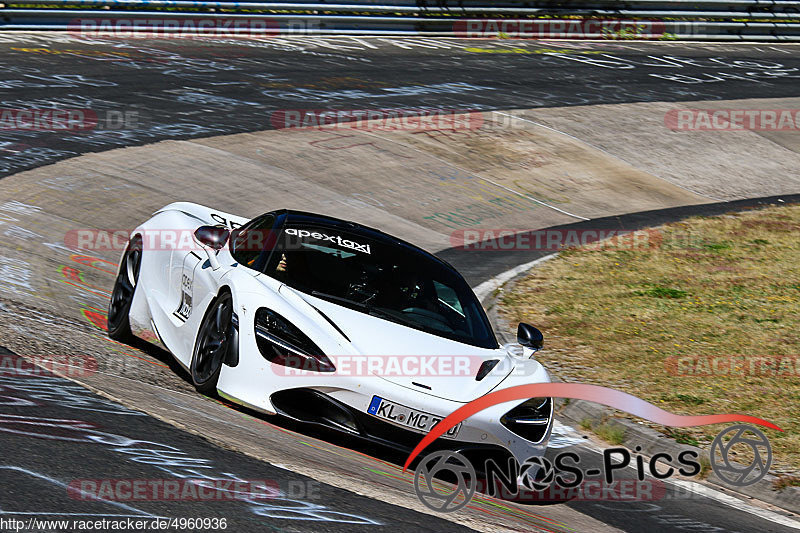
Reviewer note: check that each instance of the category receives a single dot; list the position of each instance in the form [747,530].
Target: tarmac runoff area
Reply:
[523,170]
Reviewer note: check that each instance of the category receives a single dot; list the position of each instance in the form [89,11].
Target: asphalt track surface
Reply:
[78,437]
[178,89]
[185,89]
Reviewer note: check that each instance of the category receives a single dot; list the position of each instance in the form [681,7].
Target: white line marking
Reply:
[736,503]
[564,436]
[484,289]
[141,514]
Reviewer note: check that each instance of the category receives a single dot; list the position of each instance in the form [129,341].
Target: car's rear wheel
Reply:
[213,343]
[119,326]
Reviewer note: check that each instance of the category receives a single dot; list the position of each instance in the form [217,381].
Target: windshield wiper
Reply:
[340,299]
[361,305]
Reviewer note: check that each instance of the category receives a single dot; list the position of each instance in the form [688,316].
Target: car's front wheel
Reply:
[213,343]
[119,326]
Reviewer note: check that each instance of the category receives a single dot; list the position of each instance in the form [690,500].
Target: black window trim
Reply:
[264,255]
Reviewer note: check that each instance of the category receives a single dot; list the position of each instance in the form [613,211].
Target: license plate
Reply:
[408,417]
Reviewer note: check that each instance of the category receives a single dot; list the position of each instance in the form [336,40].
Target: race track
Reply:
[570,133]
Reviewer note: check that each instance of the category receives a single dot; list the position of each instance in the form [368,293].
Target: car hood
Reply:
[414,359]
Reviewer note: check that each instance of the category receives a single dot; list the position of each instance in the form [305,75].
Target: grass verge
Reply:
[703,319]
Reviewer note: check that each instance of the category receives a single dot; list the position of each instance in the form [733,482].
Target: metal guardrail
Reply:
[583,11]
[724,20]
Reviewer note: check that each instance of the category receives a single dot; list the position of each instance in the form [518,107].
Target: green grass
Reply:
[682,437]
[657,291]
[609,432]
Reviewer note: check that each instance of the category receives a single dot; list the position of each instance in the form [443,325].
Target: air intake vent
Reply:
[485,368]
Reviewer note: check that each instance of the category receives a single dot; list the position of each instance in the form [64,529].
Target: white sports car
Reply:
[327,322]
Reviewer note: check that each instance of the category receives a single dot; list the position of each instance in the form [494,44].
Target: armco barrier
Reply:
[722,20]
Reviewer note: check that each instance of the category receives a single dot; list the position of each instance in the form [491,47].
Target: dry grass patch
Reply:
[720,287]
[783,482]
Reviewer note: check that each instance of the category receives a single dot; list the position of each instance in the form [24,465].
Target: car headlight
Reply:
[282,343]
[530,419]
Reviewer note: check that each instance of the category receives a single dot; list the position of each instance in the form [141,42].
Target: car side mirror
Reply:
[529,336]
[213,238]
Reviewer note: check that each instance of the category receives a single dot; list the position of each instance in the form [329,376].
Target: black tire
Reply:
[119,326]
[212,345]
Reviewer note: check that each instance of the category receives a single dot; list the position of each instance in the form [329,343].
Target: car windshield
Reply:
[393,282]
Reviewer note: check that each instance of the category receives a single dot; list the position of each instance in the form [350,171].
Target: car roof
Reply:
[304,217]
